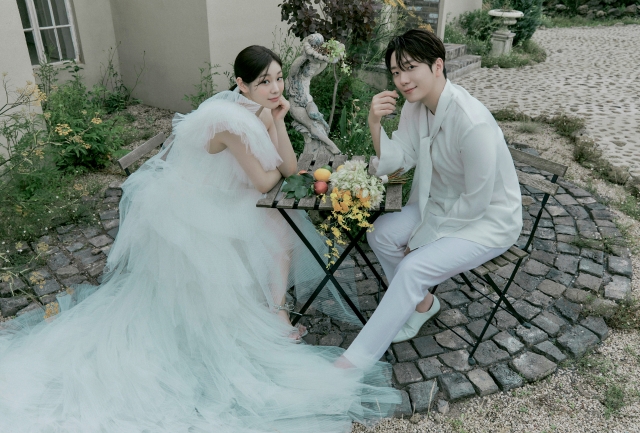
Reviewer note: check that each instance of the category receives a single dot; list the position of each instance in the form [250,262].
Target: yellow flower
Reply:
[336,232]
[63,129]
[51,310]
[96,120]
[42,247]
[47,115]
[328,242]
[87,146]
[84,111]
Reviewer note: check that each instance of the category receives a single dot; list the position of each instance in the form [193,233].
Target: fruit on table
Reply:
[322,175]
[328,167]
[320,187]
[302,172]
[340,167]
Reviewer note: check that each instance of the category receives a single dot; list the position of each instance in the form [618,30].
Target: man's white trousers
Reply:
[410,277]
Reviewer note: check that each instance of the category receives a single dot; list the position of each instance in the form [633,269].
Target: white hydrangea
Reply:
[353,176]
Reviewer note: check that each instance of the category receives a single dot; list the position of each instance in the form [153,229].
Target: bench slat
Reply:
[141,150]
[537,162]
[269,198]
[303,164]
[480,271]
[541,184]
[500,261]
[509,256]
[518,252]
[491,266]
[393,199]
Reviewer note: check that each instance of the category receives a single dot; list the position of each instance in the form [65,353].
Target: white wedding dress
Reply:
[179,337]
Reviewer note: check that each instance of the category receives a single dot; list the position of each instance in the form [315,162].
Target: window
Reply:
[48,30]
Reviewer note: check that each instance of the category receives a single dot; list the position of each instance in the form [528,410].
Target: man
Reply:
[465,204]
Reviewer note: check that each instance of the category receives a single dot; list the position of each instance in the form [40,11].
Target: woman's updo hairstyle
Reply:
[253,62]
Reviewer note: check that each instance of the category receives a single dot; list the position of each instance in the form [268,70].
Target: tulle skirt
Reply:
[179,337]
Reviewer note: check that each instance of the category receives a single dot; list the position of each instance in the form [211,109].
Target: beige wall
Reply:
[14,56]
[175,38]
[95,35]
[234,25]
[452,9]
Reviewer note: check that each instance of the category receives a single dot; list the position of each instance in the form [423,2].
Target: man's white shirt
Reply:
[465,181]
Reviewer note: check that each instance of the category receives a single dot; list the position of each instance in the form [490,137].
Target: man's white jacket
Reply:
[465,181]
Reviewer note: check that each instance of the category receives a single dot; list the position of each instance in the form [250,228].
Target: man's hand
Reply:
[382,104]
[281,110]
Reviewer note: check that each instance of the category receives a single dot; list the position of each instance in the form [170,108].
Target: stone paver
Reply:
[561,290]
[568,82]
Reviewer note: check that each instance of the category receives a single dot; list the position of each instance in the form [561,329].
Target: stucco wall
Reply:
[14,56]
[95,35]
[234,25]
[174,36]
[452,9]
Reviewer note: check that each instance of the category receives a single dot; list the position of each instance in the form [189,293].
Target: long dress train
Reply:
[179,337]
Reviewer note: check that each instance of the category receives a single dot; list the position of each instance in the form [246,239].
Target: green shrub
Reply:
[82,138]
[478,24]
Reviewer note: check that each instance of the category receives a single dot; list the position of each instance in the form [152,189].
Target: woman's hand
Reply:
[281,110]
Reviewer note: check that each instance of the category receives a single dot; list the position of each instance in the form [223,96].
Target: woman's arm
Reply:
[262,180]
[280,137]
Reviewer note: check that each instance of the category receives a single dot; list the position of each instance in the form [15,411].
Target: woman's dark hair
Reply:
[421,45]
[253,62]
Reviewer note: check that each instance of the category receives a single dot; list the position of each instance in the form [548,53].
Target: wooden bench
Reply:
[516,254]
[130,158]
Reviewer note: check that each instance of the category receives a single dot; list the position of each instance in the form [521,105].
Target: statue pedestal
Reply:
[501,42]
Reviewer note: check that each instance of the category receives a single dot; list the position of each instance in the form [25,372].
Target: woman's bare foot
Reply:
[300,329]
[425,304]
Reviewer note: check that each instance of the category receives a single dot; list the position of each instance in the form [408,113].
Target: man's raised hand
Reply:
[382,104]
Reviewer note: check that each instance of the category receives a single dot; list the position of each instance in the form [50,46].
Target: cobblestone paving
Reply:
[575,275]
[590,72]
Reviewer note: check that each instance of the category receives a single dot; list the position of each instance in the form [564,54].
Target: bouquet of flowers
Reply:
[354,192]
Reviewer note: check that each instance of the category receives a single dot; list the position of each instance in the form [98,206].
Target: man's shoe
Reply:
[415,322]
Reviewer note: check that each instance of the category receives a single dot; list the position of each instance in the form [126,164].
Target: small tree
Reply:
[526,26]
[348,21]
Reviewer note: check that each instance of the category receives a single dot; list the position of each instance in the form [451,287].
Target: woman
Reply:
[183,335]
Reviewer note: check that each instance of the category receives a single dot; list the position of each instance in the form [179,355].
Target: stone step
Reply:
[453,51]
[462,65]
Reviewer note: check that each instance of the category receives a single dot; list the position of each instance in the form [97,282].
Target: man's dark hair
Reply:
[421,45]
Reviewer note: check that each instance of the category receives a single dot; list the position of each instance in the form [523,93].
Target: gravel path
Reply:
[592,72]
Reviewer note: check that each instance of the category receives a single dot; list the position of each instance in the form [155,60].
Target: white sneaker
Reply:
[415,322]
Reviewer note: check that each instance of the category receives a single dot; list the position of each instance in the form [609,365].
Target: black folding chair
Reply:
[515,254]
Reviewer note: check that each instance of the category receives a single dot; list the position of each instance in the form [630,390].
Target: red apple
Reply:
[320,187]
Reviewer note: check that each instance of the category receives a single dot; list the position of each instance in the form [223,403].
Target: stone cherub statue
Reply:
[308,120]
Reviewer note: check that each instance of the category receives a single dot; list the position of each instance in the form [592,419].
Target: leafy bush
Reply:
[33,193]
[344,20]
[82,138]
[478,24]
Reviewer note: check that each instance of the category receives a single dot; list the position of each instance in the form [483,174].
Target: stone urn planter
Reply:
[502,39]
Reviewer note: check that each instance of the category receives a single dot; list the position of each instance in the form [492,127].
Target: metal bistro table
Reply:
[392,203]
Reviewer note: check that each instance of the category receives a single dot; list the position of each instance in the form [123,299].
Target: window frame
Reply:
[36,29]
